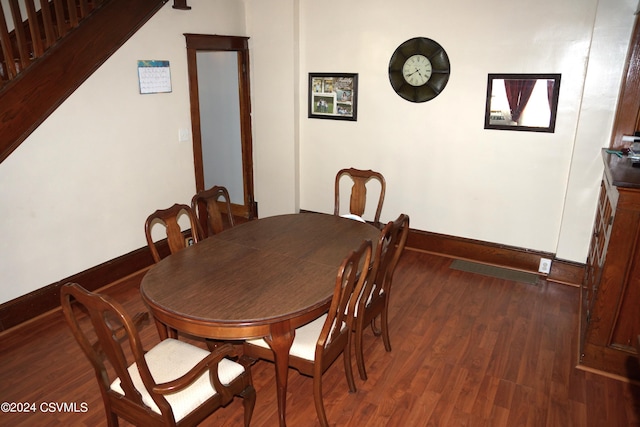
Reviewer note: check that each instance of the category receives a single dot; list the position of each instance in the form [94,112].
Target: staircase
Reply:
[52,49]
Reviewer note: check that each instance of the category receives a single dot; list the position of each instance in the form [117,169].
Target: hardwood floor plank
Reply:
[520,407]
[468,350]
[485,402]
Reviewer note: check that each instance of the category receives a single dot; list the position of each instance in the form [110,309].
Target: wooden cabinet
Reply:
[610,311]
[627,120]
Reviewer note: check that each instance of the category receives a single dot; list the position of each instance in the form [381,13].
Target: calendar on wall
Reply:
[154,76]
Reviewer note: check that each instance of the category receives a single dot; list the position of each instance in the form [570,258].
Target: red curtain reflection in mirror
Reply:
[550,84]
[518,94]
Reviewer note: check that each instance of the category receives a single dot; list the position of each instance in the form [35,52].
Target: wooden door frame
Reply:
[218,43]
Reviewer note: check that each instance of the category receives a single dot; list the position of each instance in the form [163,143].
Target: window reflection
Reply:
[522,102]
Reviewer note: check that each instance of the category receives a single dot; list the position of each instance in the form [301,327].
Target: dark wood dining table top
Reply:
[260,279]
[235,284]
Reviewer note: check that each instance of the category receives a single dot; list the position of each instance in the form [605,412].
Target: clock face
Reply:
[419,69]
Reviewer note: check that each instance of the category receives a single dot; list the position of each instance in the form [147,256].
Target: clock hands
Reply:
[416,71]
[418,80]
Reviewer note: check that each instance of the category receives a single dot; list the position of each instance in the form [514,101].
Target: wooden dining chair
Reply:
[374,299]
[209,210]
[173,384]
[176,237]
[358,198]
[319,343]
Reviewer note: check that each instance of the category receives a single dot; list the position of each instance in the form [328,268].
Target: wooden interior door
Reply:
[221,117]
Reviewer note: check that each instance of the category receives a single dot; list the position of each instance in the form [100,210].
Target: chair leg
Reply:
[384,324]
[359,332]
[376,331]
[249,402]
[317,399]
[112,419]
[348,370]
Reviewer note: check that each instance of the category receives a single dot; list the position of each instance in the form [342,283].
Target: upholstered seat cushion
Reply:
[304,343]
[354,217]
[369,298]
[373,290]
[168,361]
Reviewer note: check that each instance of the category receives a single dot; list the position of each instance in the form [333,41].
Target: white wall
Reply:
[612,31]
[273,31]
[442,168]
[76,193]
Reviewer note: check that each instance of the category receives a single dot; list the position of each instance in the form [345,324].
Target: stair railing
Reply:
[36,28]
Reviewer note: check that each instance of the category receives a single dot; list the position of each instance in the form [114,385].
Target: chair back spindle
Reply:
[169,218]
[358,197]
[209,209]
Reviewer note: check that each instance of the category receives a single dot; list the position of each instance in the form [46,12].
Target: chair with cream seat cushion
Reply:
[358,197]
[174,383]
[374,300]
[319,343]
[209,209]
[169,218]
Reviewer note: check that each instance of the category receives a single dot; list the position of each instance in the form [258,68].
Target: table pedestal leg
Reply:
[280,342]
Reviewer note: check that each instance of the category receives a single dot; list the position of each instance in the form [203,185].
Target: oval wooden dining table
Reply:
[263,278]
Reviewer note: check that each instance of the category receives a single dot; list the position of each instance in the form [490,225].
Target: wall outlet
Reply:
[545,266]
[183,135]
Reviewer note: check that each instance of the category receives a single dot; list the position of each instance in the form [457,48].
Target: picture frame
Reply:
[333,96]
[522,102]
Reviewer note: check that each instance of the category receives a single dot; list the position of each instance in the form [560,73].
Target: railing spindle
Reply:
[47,20]
[60,18]
[84,8]
[72,8]
[21,39]
[9,71]
[34,29]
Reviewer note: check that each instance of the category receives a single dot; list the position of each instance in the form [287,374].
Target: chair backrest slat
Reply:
[209,210]
[358,197]
[169,219]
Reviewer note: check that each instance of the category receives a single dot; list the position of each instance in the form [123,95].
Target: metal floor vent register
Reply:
[492,271]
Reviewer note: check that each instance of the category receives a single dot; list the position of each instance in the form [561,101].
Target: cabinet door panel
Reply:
[627,320]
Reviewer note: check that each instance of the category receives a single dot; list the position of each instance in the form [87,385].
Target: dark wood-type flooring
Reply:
[468,350]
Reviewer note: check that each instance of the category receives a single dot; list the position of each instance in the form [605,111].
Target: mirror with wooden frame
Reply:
[524,102]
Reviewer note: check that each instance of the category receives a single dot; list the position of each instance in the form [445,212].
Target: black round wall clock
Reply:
[419,69]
